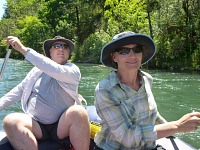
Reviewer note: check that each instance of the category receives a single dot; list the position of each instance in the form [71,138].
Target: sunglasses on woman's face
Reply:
[126,50]
[58,45]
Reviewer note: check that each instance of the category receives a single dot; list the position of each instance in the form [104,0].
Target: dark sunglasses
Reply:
[58,45]
[126,50]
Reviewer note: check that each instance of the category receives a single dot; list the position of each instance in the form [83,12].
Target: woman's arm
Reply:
[188,123]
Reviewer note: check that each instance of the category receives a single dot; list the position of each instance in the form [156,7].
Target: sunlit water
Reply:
[176,93]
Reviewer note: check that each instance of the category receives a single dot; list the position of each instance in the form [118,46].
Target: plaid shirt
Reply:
[128,116]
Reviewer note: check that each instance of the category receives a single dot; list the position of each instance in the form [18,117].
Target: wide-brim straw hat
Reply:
[126,38]
[48,44]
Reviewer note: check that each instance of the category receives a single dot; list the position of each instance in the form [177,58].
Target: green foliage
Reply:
[18,9]
[7,28]
[174,25]
[55,15]
[196,58]
[176,34]
[121,18]
[91,49]
[31,32]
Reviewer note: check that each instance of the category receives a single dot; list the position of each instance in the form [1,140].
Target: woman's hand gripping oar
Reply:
[5,61]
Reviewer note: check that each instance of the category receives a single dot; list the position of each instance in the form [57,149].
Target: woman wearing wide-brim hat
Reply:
[124,100]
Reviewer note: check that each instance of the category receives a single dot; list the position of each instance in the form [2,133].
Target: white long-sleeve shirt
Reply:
[67,76]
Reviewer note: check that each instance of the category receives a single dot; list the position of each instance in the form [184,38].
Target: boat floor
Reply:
[170,143]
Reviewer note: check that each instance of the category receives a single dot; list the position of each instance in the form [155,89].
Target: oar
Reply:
[5,61]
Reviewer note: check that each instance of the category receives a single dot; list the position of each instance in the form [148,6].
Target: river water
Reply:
[176,93]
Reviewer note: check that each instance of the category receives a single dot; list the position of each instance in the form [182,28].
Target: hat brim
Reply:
[48,44]
[139,39]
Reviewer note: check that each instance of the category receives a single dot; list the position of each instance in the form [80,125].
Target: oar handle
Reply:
[5,61]
[10,47]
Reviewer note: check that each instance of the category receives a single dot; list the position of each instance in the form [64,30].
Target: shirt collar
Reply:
[114,80]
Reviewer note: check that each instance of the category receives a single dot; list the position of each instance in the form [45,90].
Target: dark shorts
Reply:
[93,145]
[49,132]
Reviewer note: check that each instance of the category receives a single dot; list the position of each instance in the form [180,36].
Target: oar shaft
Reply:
[5,61]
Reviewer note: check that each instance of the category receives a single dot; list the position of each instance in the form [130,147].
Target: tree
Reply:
[121,18]
[176,20]
[32,32]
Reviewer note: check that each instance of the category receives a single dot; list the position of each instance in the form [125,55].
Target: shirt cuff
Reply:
[26,53]
[148,133]
[30,55]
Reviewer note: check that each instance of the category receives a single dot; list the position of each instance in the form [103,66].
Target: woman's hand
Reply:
[189,122]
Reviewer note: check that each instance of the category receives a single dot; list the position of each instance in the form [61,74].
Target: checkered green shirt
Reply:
[128,116]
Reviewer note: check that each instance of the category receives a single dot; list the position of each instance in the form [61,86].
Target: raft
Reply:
[169,143]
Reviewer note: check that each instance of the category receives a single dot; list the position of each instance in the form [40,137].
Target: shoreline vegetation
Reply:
[173,25]
[170,69]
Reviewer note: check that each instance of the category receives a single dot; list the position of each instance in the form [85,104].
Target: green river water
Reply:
[176,93]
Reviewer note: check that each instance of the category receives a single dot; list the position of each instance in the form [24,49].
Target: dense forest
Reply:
[90,24]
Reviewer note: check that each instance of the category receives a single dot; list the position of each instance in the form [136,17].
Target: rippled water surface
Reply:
[176,93]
